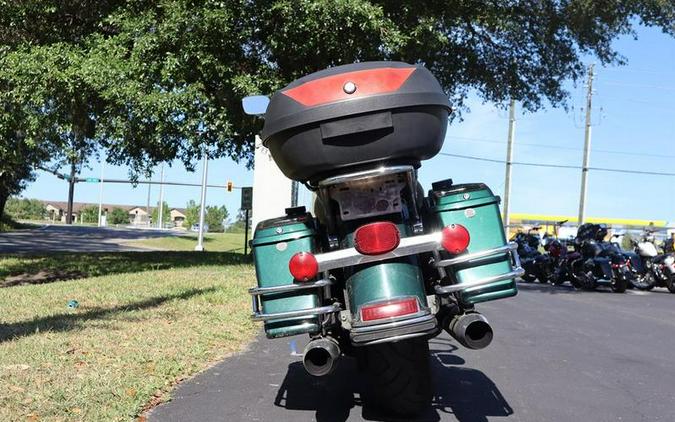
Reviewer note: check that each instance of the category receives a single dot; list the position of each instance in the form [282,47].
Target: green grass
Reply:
[8,224]
[133,336]
[223,242]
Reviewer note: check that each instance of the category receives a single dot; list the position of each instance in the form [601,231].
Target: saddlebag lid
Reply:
[463,196]
[283,229]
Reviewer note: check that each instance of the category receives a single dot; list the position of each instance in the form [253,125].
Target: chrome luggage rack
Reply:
[409,246]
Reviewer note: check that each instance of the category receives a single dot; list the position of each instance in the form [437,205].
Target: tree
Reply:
[166,213]
[25,209]
[214,218]
[89,214]
[118,216]
[156,81]
[191,214]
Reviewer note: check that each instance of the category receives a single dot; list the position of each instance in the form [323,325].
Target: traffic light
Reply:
[229,186]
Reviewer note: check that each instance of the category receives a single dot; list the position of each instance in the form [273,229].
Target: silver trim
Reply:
[362,336]
[289,287]
[365,174]
[322,310]
[392,324]
[477,255]
[395,338]
[349,257]
[444,290]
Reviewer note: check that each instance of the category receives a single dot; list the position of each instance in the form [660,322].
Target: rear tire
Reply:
[619,282]
[398,377]
[670,283]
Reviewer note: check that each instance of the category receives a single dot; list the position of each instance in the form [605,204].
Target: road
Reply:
[558,355]
[61,238]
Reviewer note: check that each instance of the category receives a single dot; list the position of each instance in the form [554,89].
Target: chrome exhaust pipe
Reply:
[471,330]
[320,356]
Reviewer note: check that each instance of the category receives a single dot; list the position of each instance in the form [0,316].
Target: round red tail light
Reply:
[303,266]
[376,238]
[455,238]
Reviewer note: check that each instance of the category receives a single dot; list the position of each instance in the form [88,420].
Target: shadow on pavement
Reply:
[467,394]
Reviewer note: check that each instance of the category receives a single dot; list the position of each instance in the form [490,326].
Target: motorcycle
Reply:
[537,266]
[596,262]
[651,269]
[379,268]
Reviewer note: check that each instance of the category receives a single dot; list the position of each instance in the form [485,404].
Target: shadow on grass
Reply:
[74,321]
[23,269]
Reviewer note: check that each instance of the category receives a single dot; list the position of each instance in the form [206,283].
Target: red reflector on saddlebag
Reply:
[376,238]
[393,308]
[455,238]
[303,266]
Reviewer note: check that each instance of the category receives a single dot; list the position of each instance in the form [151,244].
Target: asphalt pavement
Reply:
[558,355]
[63,238]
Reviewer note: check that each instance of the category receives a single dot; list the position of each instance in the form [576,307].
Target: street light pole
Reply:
[202,207]
[160,211]
[100,195]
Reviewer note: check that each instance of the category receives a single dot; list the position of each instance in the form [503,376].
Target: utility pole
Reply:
[587,148]
[160,211]
[509,161]
[71,192]
[202,206]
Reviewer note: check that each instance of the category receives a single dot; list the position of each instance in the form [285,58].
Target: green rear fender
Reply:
[383,281]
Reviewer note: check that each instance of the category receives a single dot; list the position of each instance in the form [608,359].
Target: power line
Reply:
[630,85]
[548,165]
[604,151]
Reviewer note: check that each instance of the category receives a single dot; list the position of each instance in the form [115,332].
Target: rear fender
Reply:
[384,281]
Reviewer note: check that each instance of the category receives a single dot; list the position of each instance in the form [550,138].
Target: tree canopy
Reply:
[152,81]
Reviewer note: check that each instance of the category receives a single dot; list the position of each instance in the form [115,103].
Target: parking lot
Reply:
[558,355]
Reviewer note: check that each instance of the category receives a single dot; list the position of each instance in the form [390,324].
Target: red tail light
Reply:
[376,238]
[393,308]
[455,238]
[303,266]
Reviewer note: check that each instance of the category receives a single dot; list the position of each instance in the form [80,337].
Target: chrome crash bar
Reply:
[510,248]
[257,292]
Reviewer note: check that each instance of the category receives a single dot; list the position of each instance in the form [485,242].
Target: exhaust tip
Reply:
[478,335]
[320,356]
[471,330]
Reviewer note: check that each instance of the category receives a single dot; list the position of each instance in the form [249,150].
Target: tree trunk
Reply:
[3,201]
[71,194]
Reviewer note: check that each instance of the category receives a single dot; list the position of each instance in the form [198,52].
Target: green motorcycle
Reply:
[379,267]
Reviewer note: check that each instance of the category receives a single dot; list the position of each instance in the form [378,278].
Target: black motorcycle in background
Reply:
[597,262]
[537,266]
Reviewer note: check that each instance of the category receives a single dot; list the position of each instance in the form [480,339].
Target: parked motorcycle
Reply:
[379,268]
[537,266]
[596,262]
[650,268]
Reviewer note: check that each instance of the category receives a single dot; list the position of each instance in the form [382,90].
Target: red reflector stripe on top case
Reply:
[331,88]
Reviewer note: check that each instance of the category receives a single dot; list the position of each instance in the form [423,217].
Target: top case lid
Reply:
[351,89]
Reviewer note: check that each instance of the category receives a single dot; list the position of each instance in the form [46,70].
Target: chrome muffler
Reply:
[472,330]
[320,356]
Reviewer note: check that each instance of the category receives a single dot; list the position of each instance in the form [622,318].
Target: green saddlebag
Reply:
[274,243]
[475,207]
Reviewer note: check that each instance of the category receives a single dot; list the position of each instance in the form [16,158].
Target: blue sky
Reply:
[634,128]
